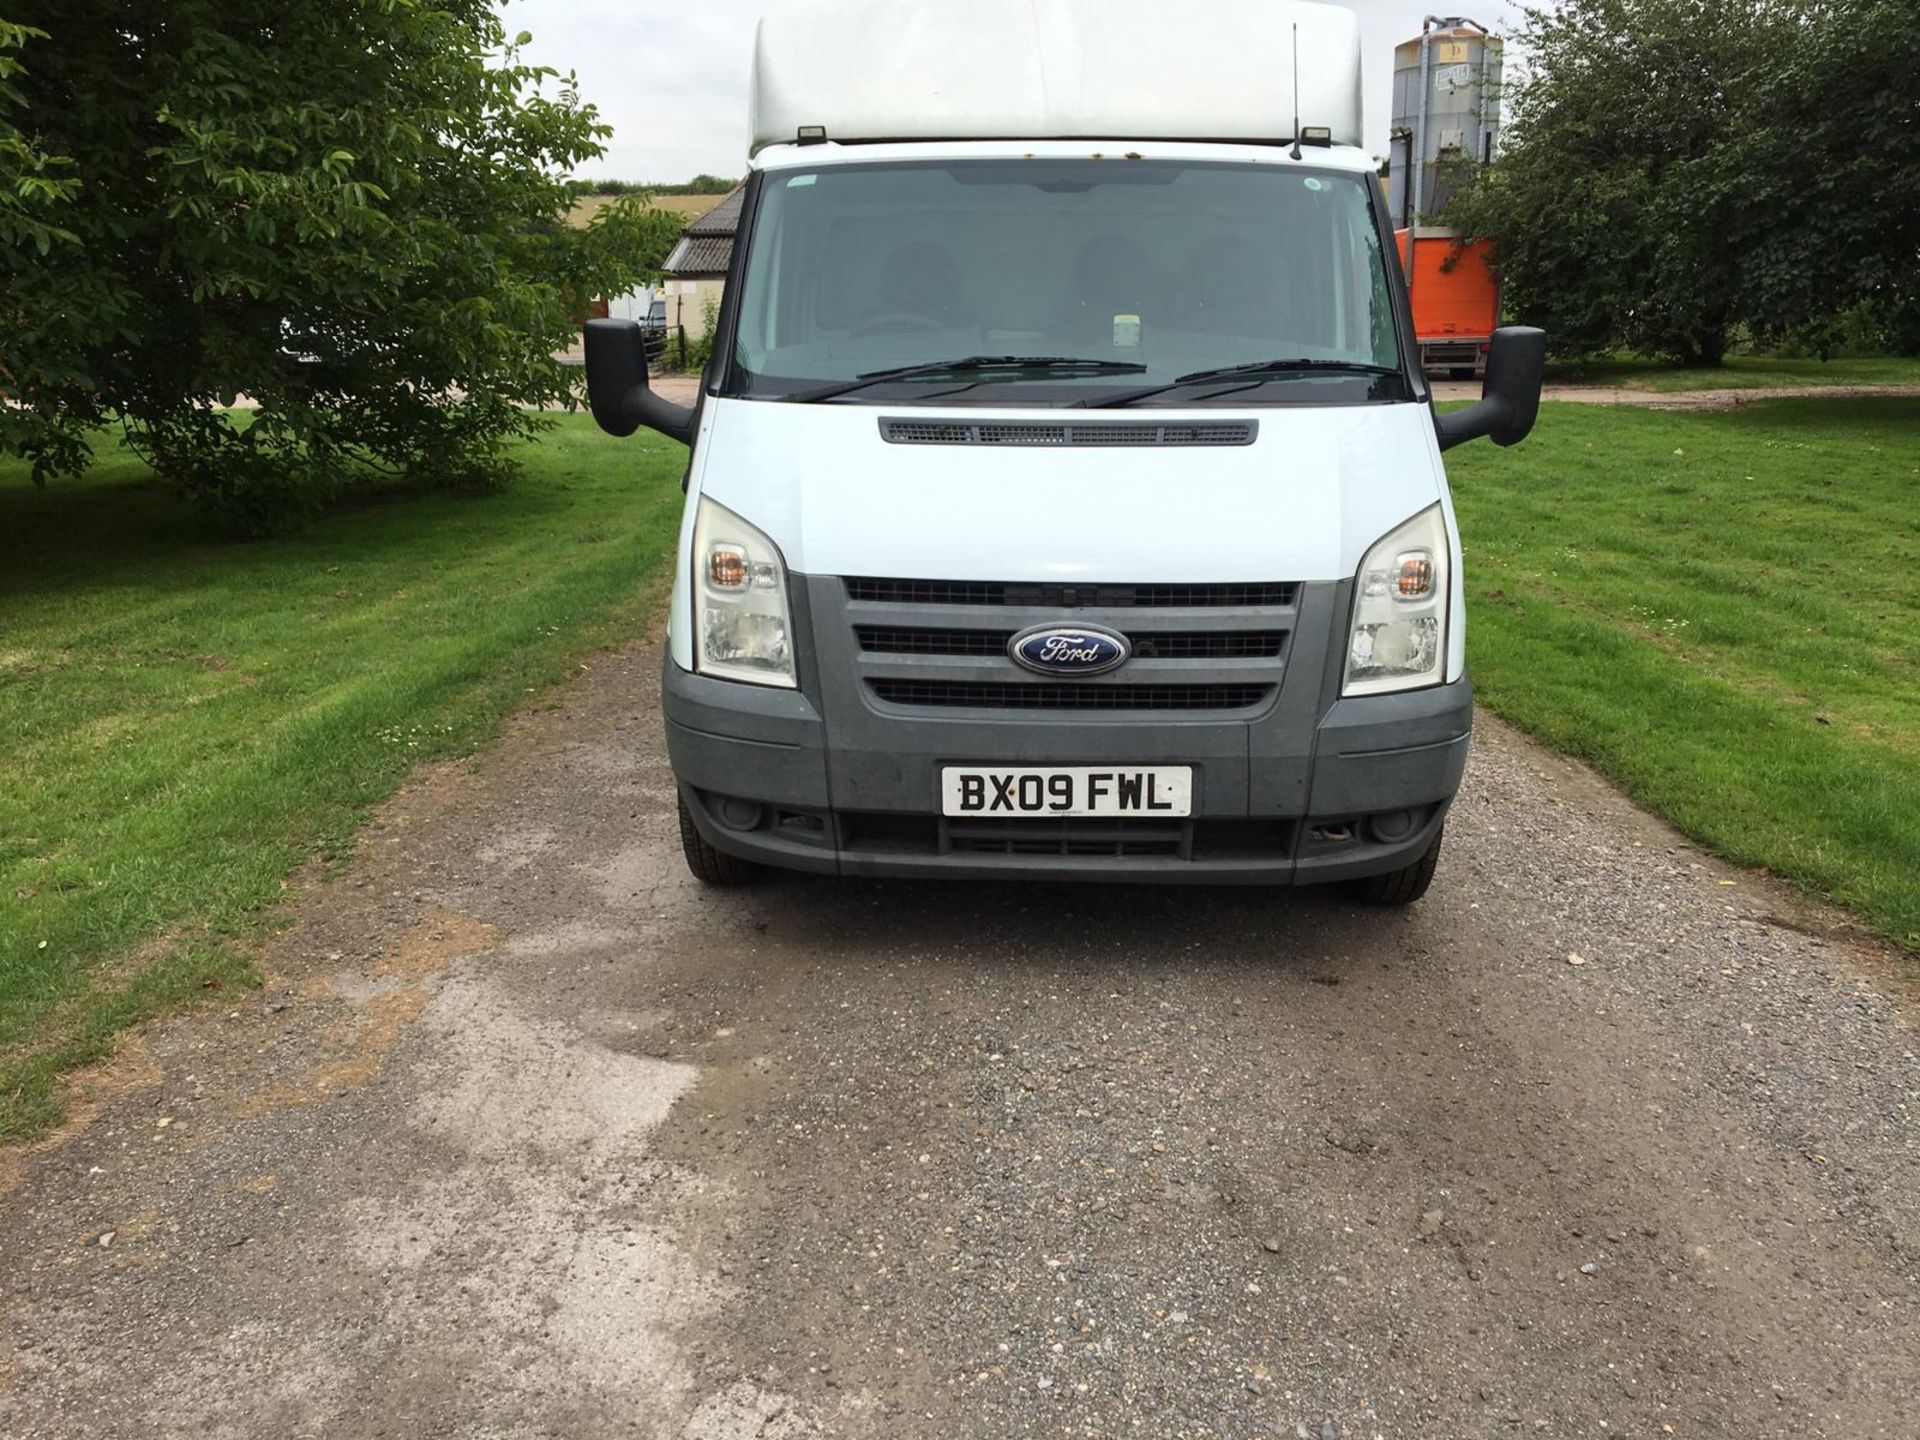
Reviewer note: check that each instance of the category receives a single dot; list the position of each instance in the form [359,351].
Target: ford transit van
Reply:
[1065,496]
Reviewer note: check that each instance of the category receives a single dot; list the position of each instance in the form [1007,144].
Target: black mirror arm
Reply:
[617,389]
[1482,418]
[1457,427]
[671,420]
[1510,399]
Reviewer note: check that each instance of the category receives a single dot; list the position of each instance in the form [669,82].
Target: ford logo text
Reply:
[1069,650]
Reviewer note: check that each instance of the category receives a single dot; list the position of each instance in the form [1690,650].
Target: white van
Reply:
[1065,497]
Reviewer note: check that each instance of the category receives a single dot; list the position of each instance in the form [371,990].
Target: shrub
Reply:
[348,210]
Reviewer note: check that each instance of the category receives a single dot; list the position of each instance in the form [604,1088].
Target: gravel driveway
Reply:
[528,1136]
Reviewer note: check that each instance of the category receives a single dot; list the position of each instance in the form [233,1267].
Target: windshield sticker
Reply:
[801,180]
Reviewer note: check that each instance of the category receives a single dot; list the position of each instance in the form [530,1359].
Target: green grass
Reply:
[1722,613]
[187,719]
[1741,372]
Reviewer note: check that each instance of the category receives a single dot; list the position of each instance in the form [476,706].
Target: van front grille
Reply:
[1176,597]
[1067,837]
[934,645]
[1211,645]
[990,695]
[1201,838]
[908,640]
[1048,595]
[1147,645]
[927,592]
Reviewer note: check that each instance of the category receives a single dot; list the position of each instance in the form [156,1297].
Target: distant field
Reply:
[1719,611]
[688,207]
[1741,372]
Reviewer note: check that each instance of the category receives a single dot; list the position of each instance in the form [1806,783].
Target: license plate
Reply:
[1066,792]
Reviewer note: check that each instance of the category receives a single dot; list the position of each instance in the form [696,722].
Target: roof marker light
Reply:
[813,134]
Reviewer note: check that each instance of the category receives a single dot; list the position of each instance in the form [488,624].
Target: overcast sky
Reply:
[671,75]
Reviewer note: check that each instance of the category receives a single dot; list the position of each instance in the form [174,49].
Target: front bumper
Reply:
[1306,790]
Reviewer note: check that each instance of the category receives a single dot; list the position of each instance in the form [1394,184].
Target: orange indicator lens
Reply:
[1416,577]
[727,568]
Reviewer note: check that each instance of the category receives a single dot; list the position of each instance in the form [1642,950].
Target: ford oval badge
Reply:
[1069,650]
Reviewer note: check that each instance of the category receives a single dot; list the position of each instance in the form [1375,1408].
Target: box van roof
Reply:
[876,70]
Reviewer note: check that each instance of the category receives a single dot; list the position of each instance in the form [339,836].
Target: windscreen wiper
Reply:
[1253,374]
[970,365]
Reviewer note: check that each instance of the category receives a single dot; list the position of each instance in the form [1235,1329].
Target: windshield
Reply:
[1166,269]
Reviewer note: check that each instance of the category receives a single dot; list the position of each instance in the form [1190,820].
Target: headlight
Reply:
[1399,639]
[742,630]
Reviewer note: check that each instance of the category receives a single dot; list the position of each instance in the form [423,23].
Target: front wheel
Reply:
[711,866]
[1405,885]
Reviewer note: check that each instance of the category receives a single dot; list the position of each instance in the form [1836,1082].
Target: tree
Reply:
[1823,180]
[36,189]
[699,185]
[1608,203]
[350,211]
[1677,168]
[33,184]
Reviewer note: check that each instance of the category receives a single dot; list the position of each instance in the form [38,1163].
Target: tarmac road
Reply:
[529,1136]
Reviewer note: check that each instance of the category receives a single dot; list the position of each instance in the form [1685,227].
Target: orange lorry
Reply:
[1456,299]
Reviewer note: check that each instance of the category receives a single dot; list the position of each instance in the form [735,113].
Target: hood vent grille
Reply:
[1065,434]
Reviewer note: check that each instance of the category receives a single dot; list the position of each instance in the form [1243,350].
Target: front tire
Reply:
[711,866]
[1405,885]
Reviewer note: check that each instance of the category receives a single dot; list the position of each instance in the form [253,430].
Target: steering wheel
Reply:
[899,322]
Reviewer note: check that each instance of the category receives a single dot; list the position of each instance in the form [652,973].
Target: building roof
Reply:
[706,245]
[724,218]
[697,255]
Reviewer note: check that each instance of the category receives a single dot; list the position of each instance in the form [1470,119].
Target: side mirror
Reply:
[617,387]
[1510,398]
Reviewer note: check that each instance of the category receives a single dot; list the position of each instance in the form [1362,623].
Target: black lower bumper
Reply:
[1362,792]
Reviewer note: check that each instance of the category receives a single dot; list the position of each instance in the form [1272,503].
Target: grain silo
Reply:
[1446,109]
